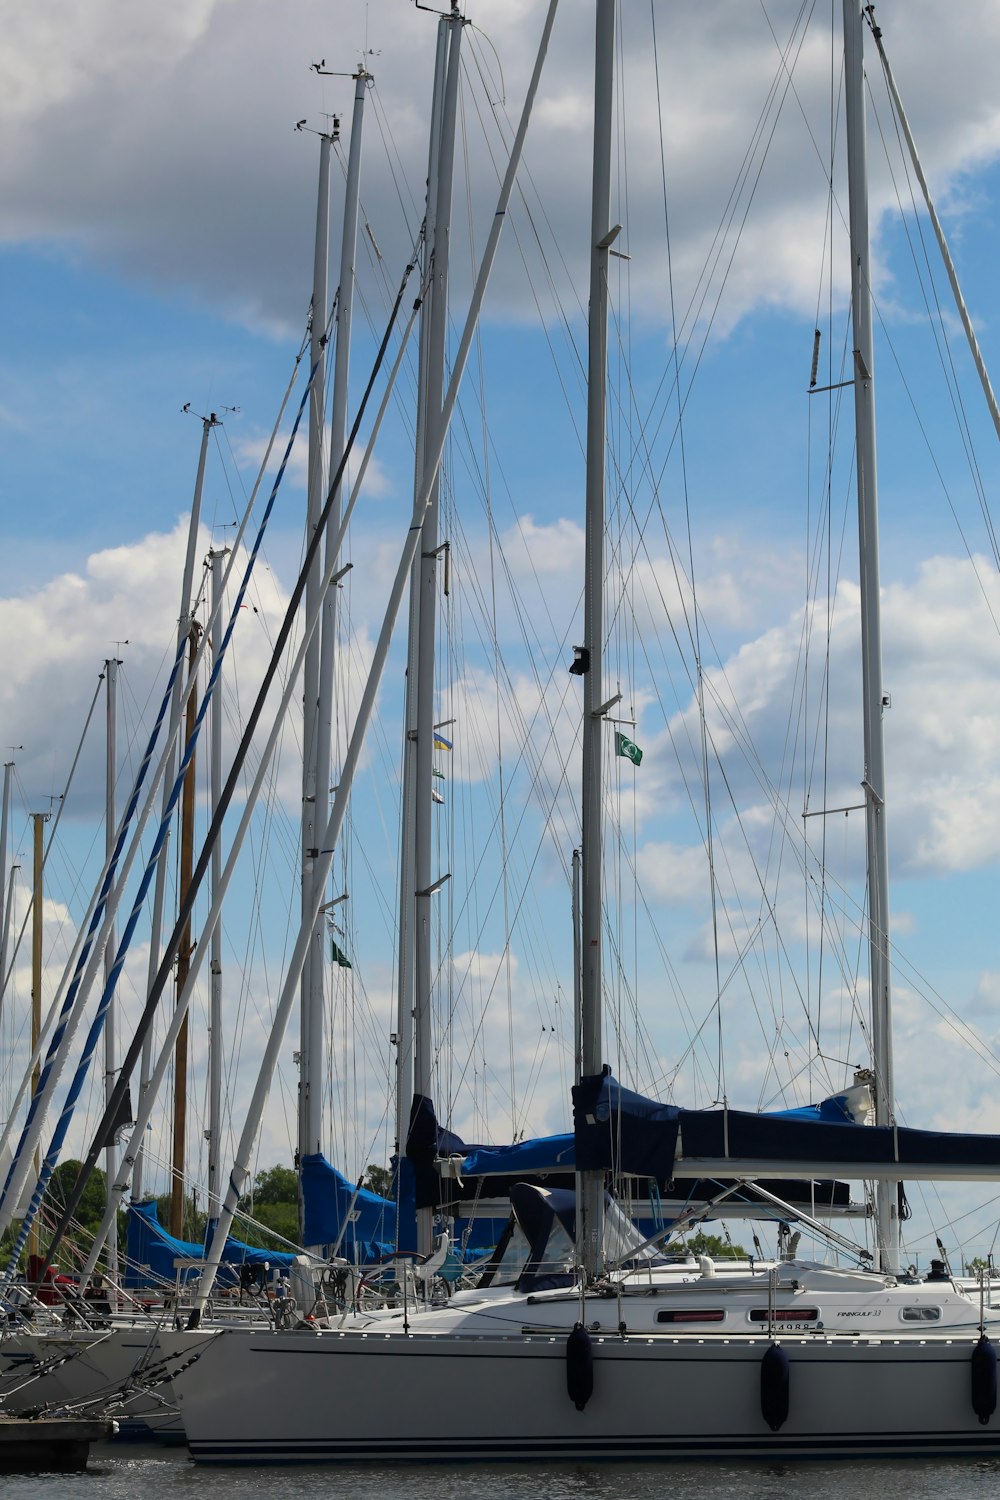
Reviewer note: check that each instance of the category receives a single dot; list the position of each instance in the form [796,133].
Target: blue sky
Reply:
[156,248]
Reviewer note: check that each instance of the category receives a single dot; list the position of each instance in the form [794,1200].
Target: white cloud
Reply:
[251,452]
[182,165]
[554,547]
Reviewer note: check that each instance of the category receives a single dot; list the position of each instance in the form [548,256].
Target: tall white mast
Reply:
[4,900]
[310,1046]
[313,1103]
[405,973]
[159,888]
[108,939]
[590,1218]
[424,882]
[241,1165]
[215,956]
[887,1215]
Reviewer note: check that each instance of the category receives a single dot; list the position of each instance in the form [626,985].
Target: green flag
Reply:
[339,956]
[628,748]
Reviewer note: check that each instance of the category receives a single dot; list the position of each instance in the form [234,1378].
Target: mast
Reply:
[159,889]
[38,821]
[311,1009]
[313,1104]
[4,898]
[183,964]
[241,1164]
[215,956]
[405,979]
[590,1216]
[425,885]
[886,1205]
[108,938]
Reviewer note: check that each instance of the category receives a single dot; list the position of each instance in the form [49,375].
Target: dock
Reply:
[55,1445]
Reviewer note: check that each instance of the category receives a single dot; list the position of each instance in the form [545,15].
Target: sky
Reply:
[156,227]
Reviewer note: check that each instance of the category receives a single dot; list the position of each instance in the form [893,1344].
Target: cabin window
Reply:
[690,1315]
[785,1315]
[508,1260]
[921,1312]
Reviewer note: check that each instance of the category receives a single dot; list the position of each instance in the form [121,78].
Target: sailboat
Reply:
[581,1343]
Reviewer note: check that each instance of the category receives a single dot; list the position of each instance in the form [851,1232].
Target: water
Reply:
[125,1473]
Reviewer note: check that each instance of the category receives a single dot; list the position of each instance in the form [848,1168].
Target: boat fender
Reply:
[579,1366]
[774,1382]
[984,1379]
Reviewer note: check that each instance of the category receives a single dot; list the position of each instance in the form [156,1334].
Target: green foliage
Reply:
[194,1221]
[274,1185]
[283,1218]
[708,1244]
[87,1215]
[90,1210]
[274,1204]
[378,1180]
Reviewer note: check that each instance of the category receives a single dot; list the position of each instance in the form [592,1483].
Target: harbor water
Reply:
[123,1473]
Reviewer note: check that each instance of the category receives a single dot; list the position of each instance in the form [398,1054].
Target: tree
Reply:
[709,1244]
[274,1205]
[378,1180]
[194,1220]
[90,1209]
[87,1215]
[275,1185]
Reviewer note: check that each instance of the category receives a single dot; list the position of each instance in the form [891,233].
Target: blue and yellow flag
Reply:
[440,743]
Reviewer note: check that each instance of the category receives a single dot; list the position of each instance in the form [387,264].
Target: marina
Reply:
[598,1142]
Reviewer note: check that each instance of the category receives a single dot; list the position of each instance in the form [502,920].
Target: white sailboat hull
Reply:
[352,1396]
[103,1369]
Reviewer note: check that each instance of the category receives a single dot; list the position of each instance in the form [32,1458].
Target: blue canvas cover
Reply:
[426,1140]
[331,1202]
[549,1153]
[151,1251]
[620,1131]
[371,1236]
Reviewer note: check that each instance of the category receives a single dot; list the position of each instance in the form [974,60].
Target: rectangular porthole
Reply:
[690,1315]
[785,1315]
[921,1312]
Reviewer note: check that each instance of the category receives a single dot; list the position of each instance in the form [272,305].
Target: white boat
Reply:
[116,1370]
[618,1359]
[873,1369]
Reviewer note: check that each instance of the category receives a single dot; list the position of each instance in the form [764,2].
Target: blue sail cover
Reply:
[834,1111]
[151,1252]
[331,1204]
[557,1153]
[549,1153]
[370,1235]
[620,1131]
[426,1141]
